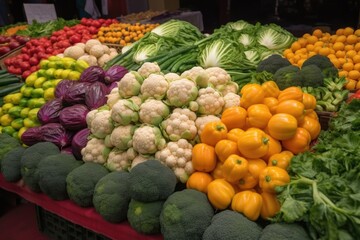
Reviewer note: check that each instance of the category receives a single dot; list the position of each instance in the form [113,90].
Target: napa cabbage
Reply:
[274,37]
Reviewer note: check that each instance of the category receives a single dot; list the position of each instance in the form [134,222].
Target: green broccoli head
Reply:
[111,196]
[80,182]
[284,231]
[10,164]
[288,76]
[272,63]
[185,215]
[144,217]
[7,143]
[236,225]
[30,160]
[323,62]
[151,181]
[312,76]
[53,171]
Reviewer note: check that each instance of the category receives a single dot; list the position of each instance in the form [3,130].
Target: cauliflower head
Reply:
[101,124]
[231,86]
[170,77]
[95,151]
[148,68]
[198,75]
[130,85]
[217,76]
[113,97]
[154,86]
[231,100]
[181,92]
[180,124]
[121,136]
[177,156]
[148,139]
[120,160]
[124,112]
[153,111]
[210,101]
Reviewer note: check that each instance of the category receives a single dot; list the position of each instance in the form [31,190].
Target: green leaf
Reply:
[293,210]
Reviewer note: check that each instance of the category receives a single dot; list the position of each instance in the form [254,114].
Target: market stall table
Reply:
[85,217]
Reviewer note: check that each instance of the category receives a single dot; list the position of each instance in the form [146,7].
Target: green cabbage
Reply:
[274,37]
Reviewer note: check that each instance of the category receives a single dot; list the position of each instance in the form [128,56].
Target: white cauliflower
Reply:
[181,92]
[198,75]
[217,76]
[230,87]
[154,86]
[120,160]
[180,124]
[147,68]
[124,112]
[148,139]
[138,159]
[130,84]
[113,97]
[231,100]
[201,121]
[170,77]
[102,124]
[210,101]
[153,111]
[121,136]
[95,151]
[177,156]
[91,60]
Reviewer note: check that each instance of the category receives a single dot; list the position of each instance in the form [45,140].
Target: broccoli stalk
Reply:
[326,95]
[325,106]
[340,96]
[333,85]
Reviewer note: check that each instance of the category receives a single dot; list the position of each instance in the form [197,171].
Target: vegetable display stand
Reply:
[324,118]
[66,220]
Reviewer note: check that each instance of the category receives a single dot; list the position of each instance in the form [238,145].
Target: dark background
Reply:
[290,13]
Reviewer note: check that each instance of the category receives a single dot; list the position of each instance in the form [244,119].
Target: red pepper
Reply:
[356,95]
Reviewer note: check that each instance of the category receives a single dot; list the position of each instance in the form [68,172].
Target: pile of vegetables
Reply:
[10,43]
[152,114]
[324,188]
[243,157]
[124,33]
[20,108]
[317,76]
[342,48]
[11,29]
[8,84]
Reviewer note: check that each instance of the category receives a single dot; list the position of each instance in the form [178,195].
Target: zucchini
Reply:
[4,90]
[3,71]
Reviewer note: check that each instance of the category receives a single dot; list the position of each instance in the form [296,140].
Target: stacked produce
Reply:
[51,39]
[317,76]
[9,83]
[19,111]
[342,48]
[237,47]
[10,30]
[9,43]
[124,33]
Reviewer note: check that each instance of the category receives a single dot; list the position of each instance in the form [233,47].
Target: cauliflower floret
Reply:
[95,151]
[120,160]
[177,156]
[180,124]
[121,136]
[124,112]
[102,124]
[153,111]
[138,159]
[231,86]
[113,97]
[198,75]
[181,92]
[201,121]
[148,139]
[231,100]
[147,68]
[130,84]
[217,76]
[170,77]
[154,86]
[210,101]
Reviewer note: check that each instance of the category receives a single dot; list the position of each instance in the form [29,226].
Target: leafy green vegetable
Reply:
[274,37]
[325,187]
[37,29]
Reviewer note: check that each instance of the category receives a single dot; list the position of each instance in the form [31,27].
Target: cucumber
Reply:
[3,71]
[4,90]
[7,81]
